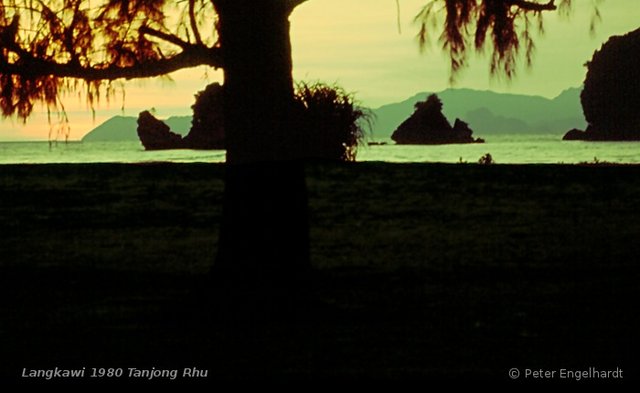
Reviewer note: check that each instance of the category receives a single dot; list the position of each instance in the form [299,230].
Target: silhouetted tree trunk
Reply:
[264,242]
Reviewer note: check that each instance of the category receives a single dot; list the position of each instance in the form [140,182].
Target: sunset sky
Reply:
[356,43]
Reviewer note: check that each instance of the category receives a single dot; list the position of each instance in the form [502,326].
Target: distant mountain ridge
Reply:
[486,112]
[123,128]
[489,112]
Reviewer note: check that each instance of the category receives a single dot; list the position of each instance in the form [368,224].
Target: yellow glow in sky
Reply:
[356,43]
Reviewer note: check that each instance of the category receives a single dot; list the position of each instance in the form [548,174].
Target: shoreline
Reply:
[596,163]
[509,149]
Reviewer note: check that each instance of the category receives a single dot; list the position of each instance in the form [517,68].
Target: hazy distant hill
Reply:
[117,128]
[179,124]
[489,112]
[123,128]
[486,112]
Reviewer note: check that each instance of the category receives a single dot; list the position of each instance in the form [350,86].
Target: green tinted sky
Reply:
[356,44]
[360,47]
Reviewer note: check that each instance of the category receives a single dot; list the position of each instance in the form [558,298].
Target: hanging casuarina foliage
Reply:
[49,48]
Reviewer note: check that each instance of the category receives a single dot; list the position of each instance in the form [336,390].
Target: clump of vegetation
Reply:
[486,159]
[597,162]
[332,122]
[332,125]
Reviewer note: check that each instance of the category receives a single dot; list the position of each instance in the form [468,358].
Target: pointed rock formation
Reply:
[155,135]
[428,126]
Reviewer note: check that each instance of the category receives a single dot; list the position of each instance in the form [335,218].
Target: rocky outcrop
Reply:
[428,126]
[611,95]
[207,130]
[462,132]
[155,135]
[574,135]
[329,125]
[207,124]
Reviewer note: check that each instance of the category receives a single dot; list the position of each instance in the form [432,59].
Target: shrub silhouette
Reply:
[332,124]
[329,123]
[486,159]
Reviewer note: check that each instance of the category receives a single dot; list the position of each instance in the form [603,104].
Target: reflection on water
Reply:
[505,149]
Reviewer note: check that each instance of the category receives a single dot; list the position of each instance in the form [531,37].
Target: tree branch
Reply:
[146,30]
[194,23]
[528,5]
[30,67]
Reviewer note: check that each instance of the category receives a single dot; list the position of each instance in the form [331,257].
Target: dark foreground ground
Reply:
[425,272]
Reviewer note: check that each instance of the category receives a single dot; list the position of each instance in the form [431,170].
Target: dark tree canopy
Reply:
[46,47]
[50,48]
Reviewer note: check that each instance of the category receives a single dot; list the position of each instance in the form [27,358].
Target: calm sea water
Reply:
[505,149]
